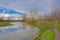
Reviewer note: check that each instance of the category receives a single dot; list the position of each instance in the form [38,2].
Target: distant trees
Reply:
[1,19]
[53,16]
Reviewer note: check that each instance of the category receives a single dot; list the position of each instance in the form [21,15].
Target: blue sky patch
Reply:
[9,11]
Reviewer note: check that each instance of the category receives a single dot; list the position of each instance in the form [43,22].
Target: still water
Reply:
[18,31]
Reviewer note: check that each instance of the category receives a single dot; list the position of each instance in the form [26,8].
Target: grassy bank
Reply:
[33,23]
[46,32]
[45,35]
[3,24]
[57,25]
[52,24]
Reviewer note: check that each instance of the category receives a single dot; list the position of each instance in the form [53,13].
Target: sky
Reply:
[44,6]
[8,10]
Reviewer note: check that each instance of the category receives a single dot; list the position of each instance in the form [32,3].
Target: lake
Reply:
[18,31]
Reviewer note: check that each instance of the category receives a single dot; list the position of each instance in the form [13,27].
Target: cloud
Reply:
[11,16]
[25,5]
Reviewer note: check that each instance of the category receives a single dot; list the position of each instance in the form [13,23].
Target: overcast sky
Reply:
[44,6]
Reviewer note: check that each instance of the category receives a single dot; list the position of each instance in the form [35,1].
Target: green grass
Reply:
[52,24]
[58,26]
[46,35]
[3,24]
[49,23]
[34,23]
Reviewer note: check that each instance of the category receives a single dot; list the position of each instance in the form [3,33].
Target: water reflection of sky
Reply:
[8,30]
[18,32]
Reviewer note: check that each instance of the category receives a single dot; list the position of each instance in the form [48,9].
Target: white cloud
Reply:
[12,16]
[4,15]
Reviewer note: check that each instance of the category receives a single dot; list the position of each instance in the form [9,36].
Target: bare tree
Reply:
[33,13]
[55,15]
[24,17]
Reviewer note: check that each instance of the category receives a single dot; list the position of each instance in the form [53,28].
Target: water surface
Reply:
[18,31]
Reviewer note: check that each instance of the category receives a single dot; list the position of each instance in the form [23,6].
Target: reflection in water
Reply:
[18,31]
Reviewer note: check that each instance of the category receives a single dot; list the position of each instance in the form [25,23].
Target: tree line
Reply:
[34,14]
